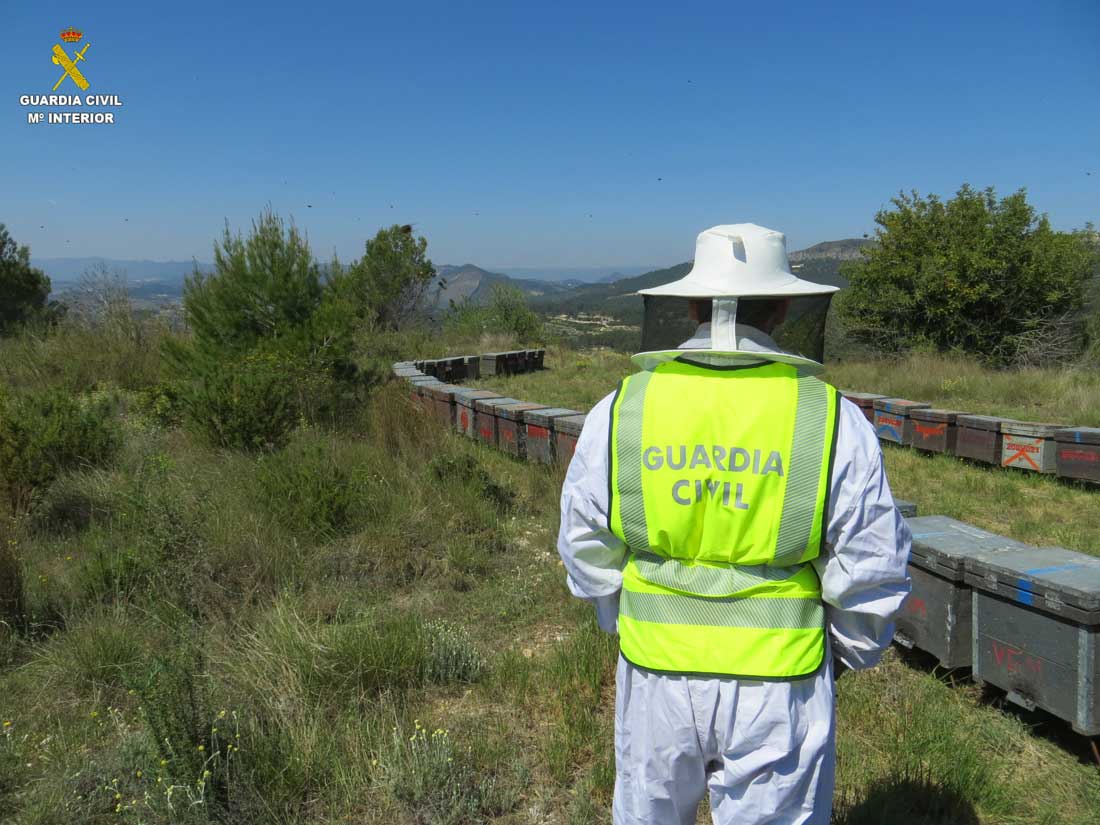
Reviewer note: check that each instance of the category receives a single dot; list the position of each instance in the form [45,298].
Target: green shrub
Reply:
[248,404]
[307,490]
[45,433]
[976,273]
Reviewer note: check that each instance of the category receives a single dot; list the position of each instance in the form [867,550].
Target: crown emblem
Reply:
[71,35]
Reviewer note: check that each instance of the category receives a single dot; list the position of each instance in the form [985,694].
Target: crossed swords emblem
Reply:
[69,65]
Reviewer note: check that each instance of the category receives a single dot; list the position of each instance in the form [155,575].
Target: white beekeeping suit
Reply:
[764,750]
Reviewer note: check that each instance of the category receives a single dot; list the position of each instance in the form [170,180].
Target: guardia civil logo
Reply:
[73,80]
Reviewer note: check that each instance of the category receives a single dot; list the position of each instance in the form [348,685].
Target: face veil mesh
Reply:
[667,324]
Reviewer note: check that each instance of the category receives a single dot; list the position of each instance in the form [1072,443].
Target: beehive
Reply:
[566,431]
[907,508]
[865,401]
[492,363]
[473,366]
[465,414]
[511,430]
[540,356]
[936,616]
[932,430]
[1036,634]
[457,369]
[515,361]
[1077,453]
[892,421]
[1029,446]
[978,437]
[540,432]
[485,418]
[442,402]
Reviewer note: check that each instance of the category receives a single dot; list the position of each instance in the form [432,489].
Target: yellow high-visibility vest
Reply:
[719,488]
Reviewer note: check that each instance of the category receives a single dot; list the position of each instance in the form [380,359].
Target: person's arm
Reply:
[863,572]
[592,554]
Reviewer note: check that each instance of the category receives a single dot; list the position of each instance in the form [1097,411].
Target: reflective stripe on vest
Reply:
[719,484]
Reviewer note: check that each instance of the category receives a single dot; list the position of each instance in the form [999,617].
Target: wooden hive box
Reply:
[1029,446]
[567,430]
[485,418]
[865,401]
[511,430]
[907,508]
[540,358]
[892,421]
[933,430]
[515,361]
[1077,453]
[465,414]
[1036,630]
[978,437]
[540,432]
[492,363]
[936,618]
[473,366]
[442,402]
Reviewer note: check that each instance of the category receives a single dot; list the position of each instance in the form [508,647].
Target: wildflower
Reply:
[139,774]
[374,763]
[95,713]
[201,748]
[221,714]
[163,762]
[118,796]
[205,774]
[7,723]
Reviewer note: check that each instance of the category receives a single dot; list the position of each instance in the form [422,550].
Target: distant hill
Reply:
[470,282]
[819,263]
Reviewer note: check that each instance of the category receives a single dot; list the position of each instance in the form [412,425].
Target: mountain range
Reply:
[603,289]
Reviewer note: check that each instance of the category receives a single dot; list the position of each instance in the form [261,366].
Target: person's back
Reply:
[730,517]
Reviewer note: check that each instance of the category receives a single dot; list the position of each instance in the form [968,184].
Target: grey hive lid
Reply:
[982,422]
[1067,576]
[1079,435]
[942,542]
[423,379]
[898,405]
[543,418]
[935,415]
[518,412]
[1031,428]
[489,404]
[468,395]
[569,424]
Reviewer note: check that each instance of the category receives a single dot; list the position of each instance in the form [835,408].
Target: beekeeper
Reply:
[729,516]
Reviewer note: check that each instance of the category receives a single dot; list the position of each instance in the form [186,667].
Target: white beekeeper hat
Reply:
[740,260]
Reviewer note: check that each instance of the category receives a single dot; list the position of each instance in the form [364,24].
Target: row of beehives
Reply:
[1069,452]
[533,431]
[462,367]
[1026,619]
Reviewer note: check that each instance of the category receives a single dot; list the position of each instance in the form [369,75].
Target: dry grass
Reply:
[1060,396]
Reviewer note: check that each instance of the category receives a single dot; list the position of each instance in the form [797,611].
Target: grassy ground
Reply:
[372,626]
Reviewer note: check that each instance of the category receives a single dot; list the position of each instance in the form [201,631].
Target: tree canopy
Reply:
[24,290]
[975,273]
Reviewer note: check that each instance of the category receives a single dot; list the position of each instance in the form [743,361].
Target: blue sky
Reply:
[540,135]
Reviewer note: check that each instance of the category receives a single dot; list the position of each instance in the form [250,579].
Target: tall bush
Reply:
[24,290]
[386,287]
[975,273]
[44,433]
